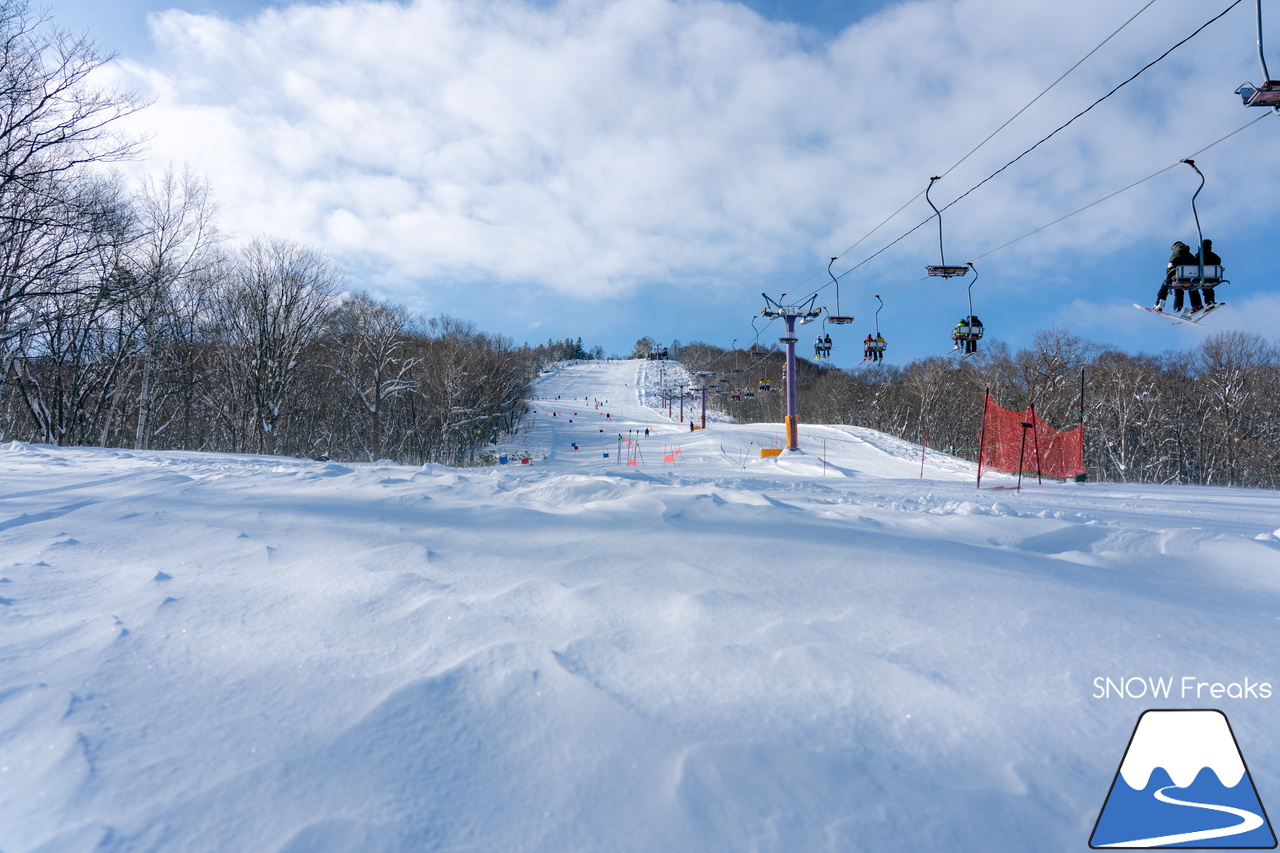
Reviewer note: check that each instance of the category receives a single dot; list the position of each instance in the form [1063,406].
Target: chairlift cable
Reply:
[1062,127]
[1064,217]
[1050,86]
[993,134]
[925,221]
[1118,87]
[1121,190]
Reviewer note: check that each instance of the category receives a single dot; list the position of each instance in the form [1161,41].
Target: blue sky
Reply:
[612,169]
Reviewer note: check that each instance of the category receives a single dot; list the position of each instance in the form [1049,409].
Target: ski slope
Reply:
[820,651]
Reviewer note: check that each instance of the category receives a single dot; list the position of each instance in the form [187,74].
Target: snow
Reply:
[818,651]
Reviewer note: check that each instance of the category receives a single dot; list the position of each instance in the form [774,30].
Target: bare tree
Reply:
[370,352]
[270,311]
[54,125]
[171,260]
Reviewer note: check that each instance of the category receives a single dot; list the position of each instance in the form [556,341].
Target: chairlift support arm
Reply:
[942,270]
[1196,214]
[1262,58]
[971,283]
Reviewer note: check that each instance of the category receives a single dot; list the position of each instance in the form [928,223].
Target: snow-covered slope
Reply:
[821,651]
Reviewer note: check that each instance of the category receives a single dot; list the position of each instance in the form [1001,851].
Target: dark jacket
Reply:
[1181,257]
[1209,255]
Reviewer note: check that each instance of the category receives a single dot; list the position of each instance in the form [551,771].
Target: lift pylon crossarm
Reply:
[804,312]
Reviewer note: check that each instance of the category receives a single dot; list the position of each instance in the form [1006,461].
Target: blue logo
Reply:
[1183,783]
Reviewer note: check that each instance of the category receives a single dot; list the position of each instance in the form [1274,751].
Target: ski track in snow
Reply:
[819,651]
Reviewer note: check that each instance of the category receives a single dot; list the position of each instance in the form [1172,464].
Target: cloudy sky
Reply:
[618,168]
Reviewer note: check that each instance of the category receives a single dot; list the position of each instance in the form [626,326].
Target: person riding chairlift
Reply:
[1181,257]
[967,332]
[1208,257]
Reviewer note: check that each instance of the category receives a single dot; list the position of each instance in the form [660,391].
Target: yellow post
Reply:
[793,439]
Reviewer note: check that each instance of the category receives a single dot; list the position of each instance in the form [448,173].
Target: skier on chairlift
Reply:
[966,334]
[1181,256]
[1208,257]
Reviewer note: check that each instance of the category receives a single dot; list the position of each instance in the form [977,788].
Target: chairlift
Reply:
[822,346]
[837,318]
[1199,275]
[875,344]
[1268,94]
[969,330]
[757,351]
[942,270]
[765,385]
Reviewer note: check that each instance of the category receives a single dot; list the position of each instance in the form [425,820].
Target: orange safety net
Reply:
[1046,451]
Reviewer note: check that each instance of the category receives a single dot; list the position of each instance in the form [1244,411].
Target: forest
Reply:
[127,319]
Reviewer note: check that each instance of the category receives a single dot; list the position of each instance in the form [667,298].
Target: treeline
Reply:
[1206,416]
[256,351]
[126,321]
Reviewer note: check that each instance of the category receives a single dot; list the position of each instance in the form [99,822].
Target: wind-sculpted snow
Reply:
[819,651]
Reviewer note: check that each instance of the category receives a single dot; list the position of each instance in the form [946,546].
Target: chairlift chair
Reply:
[757,351]
[1268,94]
[1200,275]
[942,270]
[838,318]
[969,330]
[878,344]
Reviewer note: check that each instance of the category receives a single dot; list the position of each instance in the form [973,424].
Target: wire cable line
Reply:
[1047,137]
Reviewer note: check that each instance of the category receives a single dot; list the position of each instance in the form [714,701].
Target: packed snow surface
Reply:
[846,648]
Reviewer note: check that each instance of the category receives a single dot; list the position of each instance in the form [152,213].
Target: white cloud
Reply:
[596,146]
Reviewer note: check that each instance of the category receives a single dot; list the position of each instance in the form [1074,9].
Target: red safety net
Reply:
[1043,450]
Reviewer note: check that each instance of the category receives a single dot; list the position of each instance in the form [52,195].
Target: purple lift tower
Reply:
[704,374]
[791,314]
